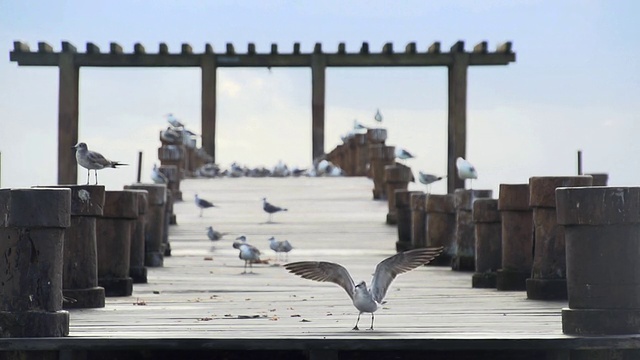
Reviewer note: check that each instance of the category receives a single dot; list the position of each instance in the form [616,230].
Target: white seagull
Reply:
[428,179]
[280,247]
[403,154]
[213,234]
[248,253]
[92,160]
[157,176]
[466,170]
[378,116]
[270,209]
[365,300]
[174,122]
[203,204]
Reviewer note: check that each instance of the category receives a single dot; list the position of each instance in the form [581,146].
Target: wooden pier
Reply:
[199,305]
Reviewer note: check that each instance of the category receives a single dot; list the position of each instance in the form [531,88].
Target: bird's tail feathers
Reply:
[116,163]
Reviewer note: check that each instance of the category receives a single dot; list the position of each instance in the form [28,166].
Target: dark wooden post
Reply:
[440,225]
[403,215]
[32,225]
[113,232]
[137,271]
[208,104]
[457,114]
[602,233]
[418,204]
[361,154]
[488,243]
[464,244]
[173,155]
[517,237]
[173,175]
[549,272]
[318,69]
[68,115]
[599,179]
[154,222]
[168,213]
[380,156]
[396,177]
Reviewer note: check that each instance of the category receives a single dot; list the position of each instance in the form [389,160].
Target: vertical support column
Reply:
[68,117]
[318,67]
[208,104]
[457,114]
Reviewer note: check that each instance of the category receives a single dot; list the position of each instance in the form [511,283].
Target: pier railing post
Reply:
[488,243]
[137,271]
[440,223]
[464,244]
[396,177]
[403,217]
[154,222]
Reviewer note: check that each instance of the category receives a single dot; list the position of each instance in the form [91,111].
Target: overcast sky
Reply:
[574,85]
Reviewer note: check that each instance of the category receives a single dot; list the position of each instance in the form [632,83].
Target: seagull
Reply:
[92,160]
[378,116]
[270,209]
[174,122]
[248,253]
[403,154]
[366,300]
[428,179]
[170,136]
[280,246]
[203,204]
[358,126]
[157,176]
[466,170]
[214,235]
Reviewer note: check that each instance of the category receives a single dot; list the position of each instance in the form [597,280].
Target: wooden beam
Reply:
[230,50]
[274,49]
[504,47]
[163,49]
[342,48]
[208,49]
[434,48]
[43,47]
[67,47]
[318,69]
[187,49]
[296,48]
[317,48]
[457,119]
[92,48]
[480,48]
[410,48]
[69,79]
[458,47]
[19,46]
[115,48]
[251,49]
[138,49]
[387,48]
[364,49]
[208,104]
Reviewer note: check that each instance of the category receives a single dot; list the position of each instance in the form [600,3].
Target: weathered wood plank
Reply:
[43,47]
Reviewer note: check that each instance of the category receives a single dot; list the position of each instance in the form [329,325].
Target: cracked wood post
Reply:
[488,243]
[403,217]
[32,226]
[464,244]
[440,223]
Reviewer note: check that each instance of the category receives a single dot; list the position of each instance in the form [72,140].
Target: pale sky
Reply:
[574,85]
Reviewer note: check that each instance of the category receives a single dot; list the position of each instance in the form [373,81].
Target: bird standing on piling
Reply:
[403,154]
[203,204]
[466,170]
[92,160]
[174,122]
[157,176]
[428,179]
[248,253]
[378,116]
[270,209]
[364,299]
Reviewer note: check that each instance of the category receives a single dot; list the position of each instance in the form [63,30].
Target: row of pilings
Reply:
[556,237]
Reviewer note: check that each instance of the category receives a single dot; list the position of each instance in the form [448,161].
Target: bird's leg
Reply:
[371,328]
[245,267]
[88,175]
[357,321]
[250,267]
[200,212]
[95,172]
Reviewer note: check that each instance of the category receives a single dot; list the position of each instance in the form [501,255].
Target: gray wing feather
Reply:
[98,158]
[323,272]
[388,269]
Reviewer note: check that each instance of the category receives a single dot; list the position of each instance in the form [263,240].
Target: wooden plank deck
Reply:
[197,303]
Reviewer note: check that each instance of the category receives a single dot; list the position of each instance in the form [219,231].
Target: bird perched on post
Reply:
[428,179]
[157,176]
[248,253]
[213,234]
[280,247]
[378,116]
[174,122]
[403,154]
[466,170]
[366,300]
[203,204]
[270,209]
[92,160]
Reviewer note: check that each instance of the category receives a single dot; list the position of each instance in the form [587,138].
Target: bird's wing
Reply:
[205,203]
[97,158]
[323,272]
[388,269]
[271,208]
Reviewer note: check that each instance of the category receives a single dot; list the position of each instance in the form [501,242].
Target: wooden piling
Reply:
[517,237]
[137,270]
[418,216]
[548,274]
[380,156]
[168,214]
[464,244]
[396,177]
[488,243]
[440,222]
[113,231]
[601,226]
[173,175]
[154,222]
[32,225]
[403,216]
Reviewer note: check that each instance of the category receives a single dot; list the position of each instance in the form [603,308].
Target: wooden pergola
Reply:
[69,61]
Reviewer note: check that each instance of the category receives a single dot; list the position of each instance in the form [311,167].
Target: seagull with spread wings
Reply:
[366,300]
